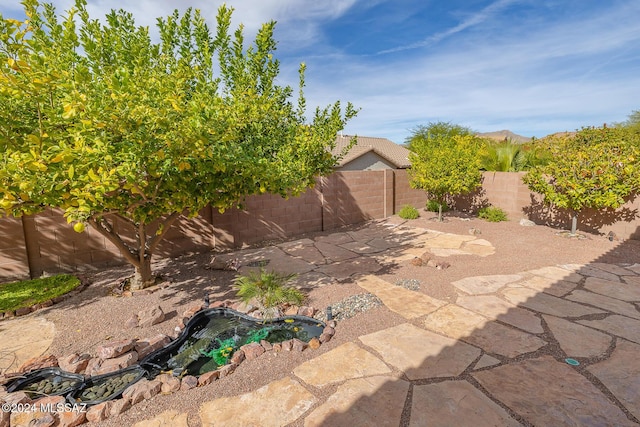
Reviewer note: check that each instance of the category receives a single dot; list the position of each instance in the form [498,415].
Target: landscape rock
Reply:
[324,337]
[287,345]
[71,418]
[425,257]
[208,378]
[117,363]
[266,345]
[5,417]
[238,357]
[53,401]
[314,343]
[329,330]
[74,363]
[291,310]
[298,345]
[306,311]
[217,304]
[416,262]
[252,350]
[170,384]
[143,389]
[527,223]
[277,347]
[99,412]
[23,311]
[192,310]
[332,323]
[119,406]
[151,317]
[38,362]
[35,419]
[17,398]
[115,349]
[148,346]
[188,382]
[227,370]
[92,366]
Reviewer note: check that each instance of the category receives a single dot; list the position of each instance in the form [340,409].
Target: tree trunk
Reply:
[574,224]
[439,212]
[143,276]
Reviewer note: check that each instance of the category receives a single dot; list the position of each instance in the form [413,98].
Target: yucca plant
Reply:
[268,289]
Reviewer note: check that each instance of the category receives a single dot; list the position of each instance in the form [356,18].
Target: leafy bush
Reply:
[269,289]
[408,212]
[433,206]
[492,214]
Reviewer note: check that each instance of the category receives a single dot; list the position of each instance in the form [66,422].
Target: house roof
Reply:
[388,150]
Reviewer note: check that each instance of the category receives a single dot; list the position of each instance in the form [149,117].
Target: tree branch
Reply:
[165,226]
[103,227]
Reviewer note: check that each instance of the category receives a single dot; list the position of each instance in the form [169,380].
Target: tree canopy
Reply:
[444,165]
[595,168]
[104,123]
[436,130]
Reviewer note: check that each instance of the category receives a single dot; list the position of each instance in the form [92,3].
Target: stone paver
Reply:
[407,303]
[22,339]
[478,247]
[546,392]
[454,321]
[607,303]
[344,270]
[557,273]
[549,286]
[372,401]
[165,419]
[421,354]
[617,325]
[621,291]
[547,304]
[361,248]
[335,253]
[275,404]
[308,253]
[449,241]
[485,361]
[612,268]
[621,375]
[455,403]
[346,362]
[278,260]
[577,340]
[589,271]
[478,285]
[498,309]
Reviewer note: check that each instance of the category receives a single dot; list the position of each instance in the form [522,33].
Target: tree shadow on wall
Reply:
[471,202]
[589,220]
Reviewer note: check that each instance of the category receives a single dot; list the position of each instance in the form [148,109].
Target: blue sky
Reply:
[532,66]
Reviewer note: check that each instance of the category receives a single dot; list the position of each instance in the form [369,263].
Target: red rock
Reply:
[306,311]
[291,310]
[151,317]
[51,401]
[99,412]
[47,303]
[71,418]
[143,389]
[287,345]
[148,346]
[238,357]
[332,323]
[38,363]
[23,311]
[277,347]
[170,384]
[119,406]
[208,378]
[416,262]
[425,257]
[17,398]
[329,330]
[298,345]
[74,363]
[266,345]
[243,307]
[132,322]
[5,417]
[115,349]
[31,419]
[188,382]
[192,310]
[93,366]
[252,350]
[314,343]
[217,304]
[8,314]
[117,363]
[227,370]
[325,338]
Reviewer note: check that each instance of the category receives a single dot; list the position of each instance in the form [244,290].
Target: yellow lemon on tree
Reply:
[78,227]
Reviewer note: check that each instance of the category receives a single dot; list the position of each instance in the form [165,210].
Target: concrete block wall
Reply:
[405,195]
[14,263]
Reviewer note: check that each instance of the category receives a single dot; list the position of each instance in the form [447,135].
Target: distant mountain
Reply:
[502,135]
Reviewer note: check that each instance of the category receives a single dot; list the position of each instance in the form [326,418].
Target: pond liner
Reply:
[156,362]
[136,372]
[57,376]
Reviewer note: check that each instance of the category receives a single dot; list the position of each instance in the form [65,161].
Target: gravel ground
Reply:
[96,316]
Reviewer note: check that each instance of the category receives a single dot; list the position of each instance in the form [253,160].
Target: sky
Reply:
[534,67]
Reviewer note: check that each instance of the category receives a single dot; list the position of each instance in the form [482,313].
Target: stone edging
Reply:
[118,355]
[84,284]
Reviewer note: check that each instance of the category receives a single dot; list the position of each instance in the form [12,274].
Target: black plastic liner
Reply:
[54,381]
[105,387]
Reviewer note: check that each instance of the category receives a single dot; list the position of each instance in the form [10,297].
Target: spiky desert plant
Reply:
[269,289]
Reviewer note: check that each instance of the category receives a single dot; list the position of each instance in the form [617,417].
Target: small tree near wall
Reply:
[595,168]
[445,166]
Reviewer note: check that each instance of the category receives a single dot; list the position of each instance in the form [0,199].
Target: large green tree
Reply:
[445,165]
[595,168]
[104,123]
[436,130]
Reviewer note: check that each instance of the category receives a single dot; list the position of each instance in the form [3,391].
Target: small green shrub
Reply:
[408,212]
[492,214]
[433,206]
[270,289]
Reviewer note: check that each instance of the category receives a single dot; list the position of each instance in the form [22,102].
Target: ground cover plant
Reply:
[127,135]
[492,214]
[268,289]
[26,293]
[408,212]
